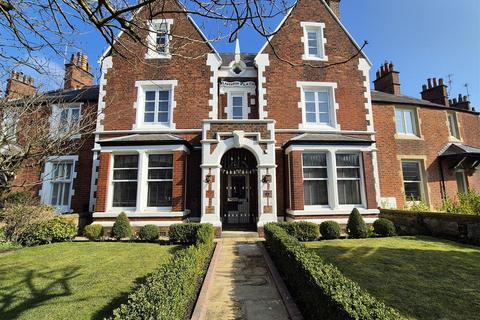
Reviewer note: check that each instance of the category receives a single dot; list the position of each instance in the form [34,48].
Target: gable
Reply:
[312,5]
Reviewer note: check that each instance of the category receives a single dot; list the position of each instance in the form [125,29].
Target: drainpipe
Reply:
[442,178]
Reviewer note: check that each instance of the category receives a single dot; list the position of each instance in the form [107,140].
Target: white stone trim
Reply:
[152,36]
[173,147]
[364,67]
[319,27]
[93,184]
[214,63]
[139,104]
[331,86]
[143,214]
[46,191]
[262,62]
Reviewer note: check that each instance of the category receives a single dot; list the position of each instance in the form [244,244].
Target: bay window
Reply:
[160,180]
[315,179]
[125,175]
[348,179]
[332,179]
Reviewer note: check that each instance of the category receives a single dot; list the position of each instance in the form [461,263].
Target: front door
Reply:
[238,208]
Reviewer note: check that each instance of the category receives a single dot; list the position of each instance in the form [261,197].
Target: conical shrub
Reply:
[356,226]
[121,227]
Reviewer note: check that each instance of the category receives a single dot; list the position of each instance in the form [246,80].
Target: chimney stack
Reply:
[435,92]
[19,85]
[335,6]
[462,103]
[388,79]
[78,72]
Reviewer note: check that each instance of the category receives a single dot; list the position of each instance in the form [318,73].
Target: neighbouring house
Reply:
[242,139]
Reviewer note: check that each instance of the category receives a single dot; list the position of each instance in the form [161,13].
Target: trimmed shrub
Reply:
[356,226]
[321,290]
[384,227]
[93,231]
[468,203]
[54,230]
[149,233]
[19,217]
[121,228]
[171,292]
[330,230]
[184,233]
[302,231]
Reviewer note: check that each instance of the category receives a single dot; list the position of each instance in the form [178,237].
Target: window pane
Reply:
[314,160]
[126,161]
[150,106]
[125,194]
[324,118]
[399,121]
[323,96]
[312,36]
[348,173]
[349,192]
[347,160]
[311,117]
[163,95]
[55,193]
[160,174]
[160,160]
[150,95]
[160,194]
[237,101]
[163,106]
[237,112]
[125,174]
[66,193]
[323,107]
[310,96]
[413,191]
[409,122]
[310,106]
[461,183]
[149,117]
[314,173]
[163,117]
[411,171]
[312,51]
[315,192]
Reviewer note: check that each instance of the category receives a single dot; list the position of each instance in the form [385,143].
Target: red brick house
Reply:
[239,140]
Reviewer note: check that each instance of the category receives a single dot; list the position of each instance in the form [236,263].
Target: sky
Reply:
[424,39]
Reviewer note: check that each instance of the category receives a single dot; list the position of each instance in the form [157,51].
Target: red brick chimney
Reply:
[78,72]
[19,85]
[435,92]
[462,103]
[388,80]
[335,6]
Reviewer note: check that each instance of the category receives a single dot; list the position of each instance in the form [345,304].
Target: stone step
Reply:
[239,234]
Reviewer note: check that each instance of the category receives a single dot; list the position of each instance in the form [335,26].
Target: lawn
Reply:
[422,277]
[74,280]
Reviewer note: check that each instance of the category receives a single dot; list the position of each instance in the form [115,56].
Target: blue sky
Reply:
[424,39]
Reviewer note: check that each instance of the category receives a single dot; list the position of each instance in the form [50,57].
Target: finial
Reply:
[237,51]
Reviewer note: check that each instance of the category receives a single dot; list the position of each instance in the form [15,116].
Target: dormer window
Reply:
[314,41]
[159,39]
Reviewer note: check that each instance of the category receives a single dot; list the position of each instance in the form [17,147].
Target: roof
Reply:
[327,139]
[248,58]
[145,139]
[378,96]
[75,95]
[456,149]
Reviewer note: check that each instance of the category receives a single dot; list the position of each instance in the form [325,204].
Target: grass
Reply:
[422,277]
[74,280]
[8,246]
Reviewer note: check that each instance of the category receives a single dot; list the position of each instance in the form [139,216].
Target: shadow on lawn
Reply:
[420,283]
[54,284]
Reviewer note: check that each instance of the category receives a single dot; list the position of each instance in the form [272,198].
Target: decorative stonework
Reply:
[261,128]
[210,194]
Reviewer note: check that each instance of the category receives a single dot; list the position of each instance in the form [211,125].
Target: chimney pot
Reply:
[454,100]
[465,98]
[440,81]
[424,87]
[77,72]
[435,84]
[429,83]
[388,80]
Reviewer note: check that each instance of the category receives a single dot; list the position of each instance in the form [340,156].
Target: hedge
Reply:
[45,232]
[183,233]
[302,231]
[320,289]
[171,291]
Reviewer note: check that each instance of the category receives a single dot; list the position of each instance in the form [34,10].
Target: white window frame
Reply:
[333,105]
[164,208]
[47,181]
[313,207]
[423,182]
[139,105]
[332,183]
[152,53]
[9,123]
[245,107]
[112,181]
[452,115]
[361,178]
[56,117]
[415,124]
[319,29]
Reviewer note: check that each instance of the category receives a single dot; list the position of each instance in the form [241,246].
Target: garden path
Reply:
[242,286]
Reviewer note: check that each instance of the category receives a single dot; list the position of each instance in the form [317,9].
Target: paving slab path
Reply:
[242,286]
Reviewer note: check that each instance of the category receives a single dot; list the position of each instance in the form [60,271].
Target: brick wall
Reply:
[434,136]
[103,181]
[296,173]
[179,176]
[283,94]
